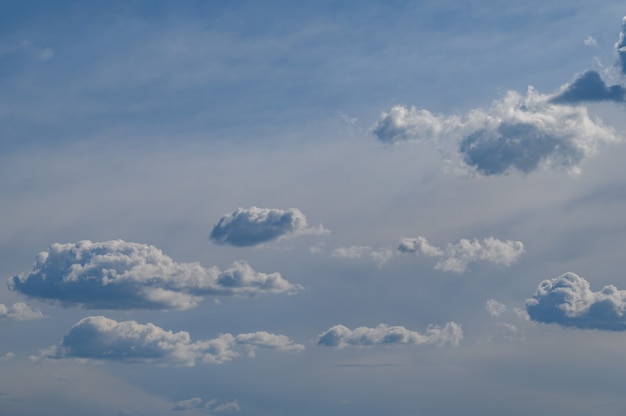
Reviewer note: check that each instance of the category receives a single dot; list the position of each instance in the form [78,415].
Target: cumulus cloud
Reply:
[456,257]
[379,256]
[589,87]
[103,339]
[20,312]
[516,134]
[341,336]
[252,226]
[568,301]
[120,275]
[590,41]
[620,47]
[495,308]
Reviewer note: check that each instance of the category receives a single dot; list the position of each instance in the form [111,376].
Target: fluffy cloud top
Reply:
[379,256]
[589,87]
[104,339]
[568,301]
[20,312]
[516,133]
[121,275]
[341,336]
[252,226]
[456,257]
[620,47]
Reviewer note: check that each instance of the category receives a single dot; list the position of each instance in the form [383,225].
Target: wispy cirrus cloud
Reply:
[122,275]
[210,406]
[456,257]
[253,226]
[568,300]
[380,256]
[102,339]
[341,336]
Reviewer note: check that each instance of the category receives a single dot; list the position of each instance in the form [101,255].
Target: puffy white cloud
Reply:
[589,87]
[495,308]
[456,257]
[20,312]
[568,301]
[252,226]
[193,403]
[104,339]
[620,47]
[341,336]
[120,275]
[516,133]
[379,256]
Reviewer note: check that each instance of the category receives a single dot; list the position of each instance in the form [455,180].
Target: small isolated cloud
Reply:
[589,87]
[252,226]
[229,407]
[6,357]
[456,257]
[341,336]
[20,312]
[120,275]
[568,301]
[103,339]
[516,134]
[620,47]
[379,256]
[590,41]
[495,308]
[193,403]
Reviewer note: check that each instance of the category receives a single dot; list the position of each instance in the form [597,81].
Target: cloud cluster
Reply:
[103,339]
[456,257]
[120,275]
[252,226]
[379,256]
[20,312]
[341,336]
[568,301]
[589,87]
[620,47]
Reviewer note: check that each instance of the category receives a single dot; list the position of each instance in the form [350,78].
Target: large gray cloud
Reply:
[589,87]
[121,275]
[620,47]
[456,257]
[20,312]
[341,336]
[252,226]
[568,301]
[103,339]
[516,133]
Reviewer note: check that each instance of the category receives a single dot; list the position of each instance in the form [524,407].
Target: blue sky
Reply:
[333,208]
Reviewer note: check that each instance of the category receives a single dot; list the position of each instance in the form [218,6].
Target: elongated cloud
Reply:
[252,226]
[120,275]
[103,339]
[209,406]
[341,336]
[516,134]
[456,257]
[620,47]
[20,312]
[379,256]
[568,301]
[589,87]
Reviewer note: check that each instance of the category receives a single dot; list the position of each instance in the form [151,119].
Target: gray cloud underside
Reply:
[456,257]
[568,301]
[120,275]
[341,336]
[620,47]
[103,339]
[589,87]
[516,134]
[252,226]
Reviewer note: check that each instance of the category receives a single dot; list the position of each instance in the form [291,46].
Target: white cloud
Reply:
[379,256]
[620,47]
[6,357]
[20,312]
[193,403]
[590,41]
[229,407]
[252,226]
[495,308]
[120,275]
[103,339]
[568,301]
[516,133]
[341,336]
[456,257]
